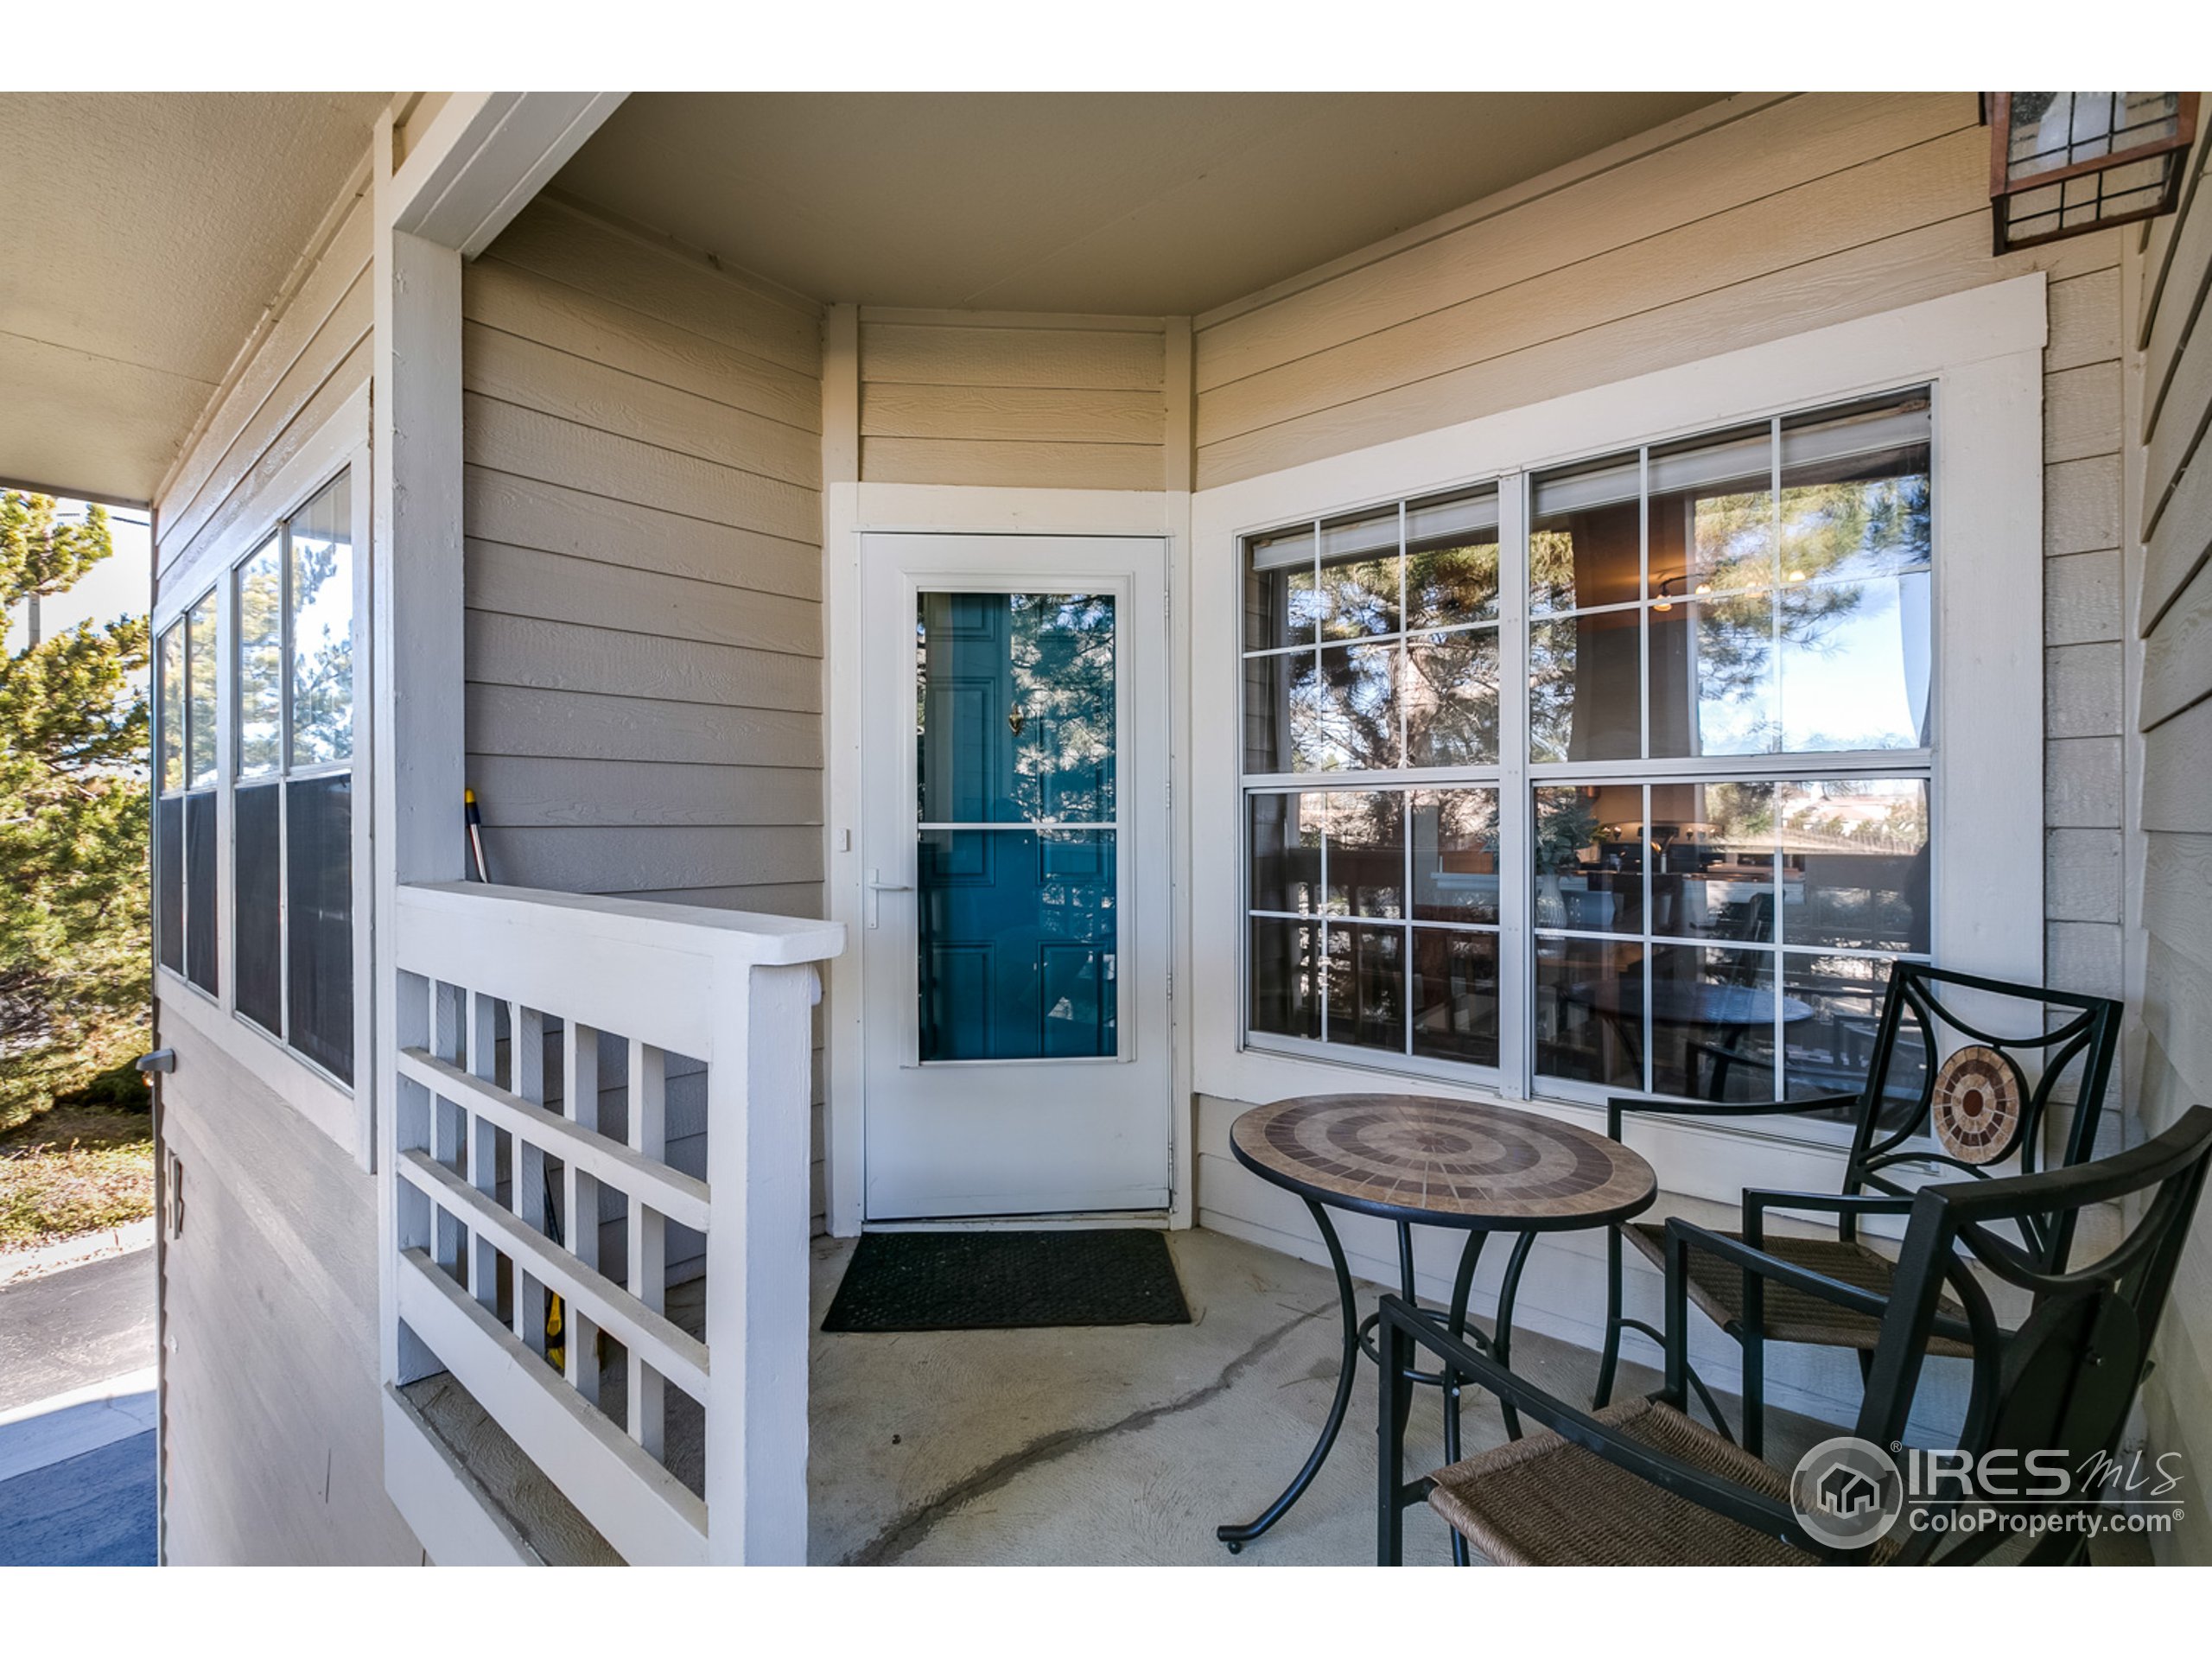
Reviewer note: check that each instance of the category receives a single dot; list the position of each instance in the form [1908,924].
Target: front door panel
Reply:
[1015,923]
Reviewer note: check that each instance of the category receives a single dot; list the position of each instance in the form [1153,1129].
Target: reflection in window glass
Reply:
[1455,995]
[1283,725]
[1856,662]
[1855,491]
[1589,1006]
[168,880]
[1286,845]
[169,761]
[319,919]
[322,628]
[1586,536]
[199,960]
[1366,837]
[199,693]
[1712,675]
[1353,725]
[1712,861]
[1279,602]
[1451,698]
[1359,576]
[1366,987]
[1855,863]
[1016,704]
[1712,517]
[1712,1022]
[261,661]
[1452,560]
[1284,970]
[1829,1048]
[1455,855]
[1585,688]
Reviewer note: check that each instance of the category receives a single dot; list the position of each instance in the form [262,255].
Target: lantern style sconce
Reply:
[2066,164]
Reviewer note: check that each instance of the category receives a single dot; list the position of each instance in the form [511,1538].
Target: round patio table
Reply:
[1418,1160]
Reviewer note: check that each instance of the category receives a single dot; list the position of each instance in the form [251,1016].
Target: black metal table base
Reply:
[1357,1340]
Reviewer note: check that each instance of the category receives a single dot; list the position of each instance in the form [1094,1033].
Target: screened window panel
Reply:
[258,884]
[169,879]
[319,920]
[321,581]
[199,952]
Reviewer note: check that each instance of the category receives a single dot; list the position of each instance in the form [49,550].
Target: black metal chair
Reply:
[1978,1106]
[1640,1482]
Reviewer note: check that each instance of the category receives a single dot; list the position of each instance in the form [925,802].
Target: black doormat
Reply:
[1007,1282]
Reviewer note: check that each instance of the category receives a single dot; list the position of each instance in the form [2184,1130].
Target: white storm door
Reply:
[1013,849]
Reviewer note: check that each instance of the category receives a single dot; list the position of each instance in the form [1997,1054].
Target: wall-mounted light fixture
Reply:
[2067,164]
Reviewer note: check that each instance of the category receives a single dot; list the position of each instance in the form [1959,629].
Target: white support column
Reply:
[757,1268]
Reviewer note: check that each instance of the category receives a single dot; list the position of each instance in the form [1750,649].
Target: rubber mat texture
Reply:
[1007,1282]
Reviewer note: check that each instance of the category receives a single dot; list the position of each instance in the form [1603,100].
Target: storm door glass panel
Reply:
[200,694]
[168,885]
[1015,873]
[258,909]
[170,768]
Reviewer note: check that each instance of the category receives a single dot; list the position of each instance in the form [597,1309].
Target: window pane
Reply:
[1590,850]
[1589,1011]
[1712,866]
[1355,715]
[261,661]
[1283,726]
[200,965]
[1367,854]
[1712,1022]
[1367,986]
[1286,852]
[1280,606]
[1359,576]
[1585,687]
[1829,1050]
[319,919]
[1712,515]
[1017,943]
[1855,659]
[169,759]
[1713,679]
[1455,855]
[1586,536]
[258,923]
[1455,995]
[1452,560]
[1016,714]
[1855,863]
[1286,978]
[200,692]
[1855,491]
[169,878]
[1451,697]
[322,628]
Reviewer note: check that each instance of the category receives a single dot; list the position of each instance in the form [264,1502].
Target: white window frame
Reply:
[343,1112]
[1980,352]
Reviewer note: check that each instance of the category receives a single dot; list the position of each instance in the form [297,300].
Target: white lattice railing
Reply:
[608,1102]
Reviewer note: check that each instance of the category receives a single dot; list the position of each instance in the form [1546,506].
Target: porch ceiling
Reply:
[1161,204]
[147,231]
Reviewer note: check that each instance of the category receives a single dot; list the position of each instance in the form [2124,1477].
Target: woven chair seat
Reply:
[1793,1315]
[1546,1502]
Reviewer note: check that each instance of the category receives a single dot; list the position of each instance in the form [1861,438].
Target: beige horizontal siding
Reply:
[643,568]
[980,399]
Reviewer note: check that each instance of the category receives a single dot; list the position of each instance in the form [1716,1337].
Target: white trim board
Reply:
[851,511]
[1981,351]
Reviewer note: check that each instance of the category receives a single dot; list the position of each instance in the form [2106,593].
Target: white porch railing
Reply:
[608,1102]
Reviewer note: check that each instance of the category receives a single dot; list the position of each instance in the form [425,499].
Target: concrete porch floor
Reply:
[1128,1445]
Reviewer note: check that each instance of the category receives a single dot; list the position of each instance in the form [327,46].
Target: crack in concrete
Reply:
[907,1530]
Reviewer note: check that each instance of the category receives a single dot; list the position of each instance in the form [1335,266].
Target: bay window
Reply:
[1642,762]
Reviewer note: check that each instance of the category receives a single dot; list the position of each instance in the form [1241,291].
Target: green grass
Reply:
[74,1169]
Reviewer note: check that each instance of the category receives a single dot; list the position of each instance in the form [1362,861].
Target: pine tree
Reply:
[73,904]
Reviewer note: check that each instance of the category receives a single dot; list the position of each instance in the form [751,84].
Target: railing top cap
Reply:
[768,940]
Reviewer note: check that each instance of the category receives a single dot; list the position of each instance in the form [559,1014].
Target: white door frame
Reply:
[850,511]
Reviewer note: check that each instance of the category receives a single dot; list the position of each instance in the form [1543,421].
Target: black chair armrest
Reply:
[1757,1264]
[1619,1105]
[1404,1327]
[1758,1200]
